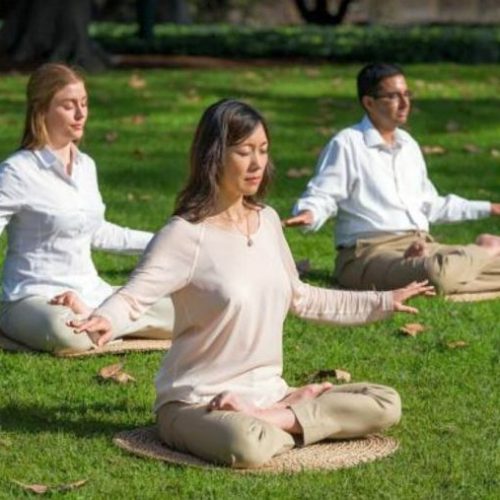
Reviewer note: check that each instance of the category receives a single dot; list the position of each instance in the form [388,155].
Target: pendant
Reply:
[249,241]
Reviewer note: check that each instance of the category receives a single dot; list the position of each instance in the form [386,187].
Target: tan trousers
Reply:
[238,440]
[36,323]
[378,263]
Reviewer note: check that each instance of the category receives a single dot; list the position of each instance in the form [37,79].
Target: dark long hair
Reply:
[223,124]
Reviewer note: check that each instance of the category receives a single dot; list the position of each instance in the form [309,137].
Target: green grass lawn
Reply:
[57,420]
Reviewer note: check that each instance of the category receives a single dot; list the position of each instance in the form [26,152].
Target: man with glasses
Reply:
[372,177]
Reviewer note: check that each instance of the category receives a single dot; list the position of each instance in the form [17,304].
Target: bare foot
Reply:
[489,242]
[72,300]
[304,393]
[229,401]
[416,249]
[281,417]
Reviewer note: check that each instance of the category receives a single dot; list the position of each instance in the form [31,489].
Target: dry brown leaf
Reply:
[296,173]
[303,266]
[145,197]
[137,82]
[342,375]
[457,344]
[110,370]
[313,72]
[433,150]
[138,119]
[115,372]
[471,148]
[412,329]
[40,489]
[452,126]
[123,378]
[326,131]
[111,136]
[495,153]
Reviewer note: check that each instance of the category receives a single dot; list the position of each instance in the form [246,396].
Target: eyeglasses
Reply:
[395,96]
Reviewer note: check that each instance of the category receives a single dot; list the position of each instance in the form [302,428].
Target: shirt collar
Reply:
[48,159]
[373,138]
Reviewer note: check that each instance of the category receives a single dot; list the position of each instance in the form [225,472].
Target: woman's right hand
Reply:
[97,328]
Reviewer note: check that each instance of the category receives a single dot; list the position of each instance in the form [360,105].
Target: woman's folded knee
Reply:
[249,449]
[390,407]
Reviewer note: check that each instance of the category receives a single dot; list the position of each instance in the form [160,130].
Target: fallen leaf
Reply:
[326,131]
[123,378]
[342,375]
[452,126]
[40,489]
[111,136]
[145,197]
[130,197]
[138,119]
[114,372]
[433,150]
[296,173]
[495,153]
[337,374]
[471,148]
[412,329]
[110,370]
[303,266]
[137,82]
[457,344]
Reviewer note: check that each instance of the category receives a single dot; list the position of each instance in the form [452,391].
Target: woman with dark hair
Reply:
[225,262]
[53,211]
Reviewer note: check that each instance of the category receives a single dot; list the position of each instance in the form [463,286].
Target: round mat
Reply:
[327,455]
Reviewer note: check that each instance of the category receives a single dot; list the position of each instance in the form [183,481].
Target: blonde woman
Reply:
[52,209]
[225,261]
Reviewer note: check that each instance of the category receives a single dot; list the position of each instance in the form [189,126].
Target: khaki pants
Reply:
[239,440]
[36,323]
[378,263]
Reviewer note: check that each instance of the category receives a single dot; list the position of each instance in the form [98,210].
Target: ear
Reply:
[367,102]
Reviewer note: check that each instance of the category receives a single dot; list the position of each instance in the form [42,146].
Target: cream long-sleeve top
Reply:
[53,221]
[373,188]
[230,303]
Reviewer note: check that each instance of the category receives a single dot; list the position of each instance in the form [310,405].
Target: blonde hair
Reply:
[43,84]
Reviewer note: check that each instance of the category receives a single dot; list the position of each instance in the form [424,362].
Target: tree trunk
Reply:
[37,31]
[319,13]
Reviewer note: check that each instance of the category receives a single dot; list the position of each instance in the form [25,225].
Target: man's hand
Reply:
[495,209]
[303,218]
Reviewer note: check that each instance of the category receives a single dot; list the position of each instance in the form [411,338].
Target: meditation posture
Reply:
[373,177]
[54,214]
[225,262]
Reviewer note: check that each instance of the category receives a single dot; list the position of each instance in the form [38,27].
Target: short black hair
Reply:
[372,74]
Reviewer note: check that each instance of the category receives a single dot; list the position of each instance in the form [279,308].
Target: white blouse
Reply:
[53,220]
[230,301]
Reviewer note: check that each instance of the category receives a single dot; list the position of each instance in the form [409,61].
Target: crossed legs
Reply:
[242,436]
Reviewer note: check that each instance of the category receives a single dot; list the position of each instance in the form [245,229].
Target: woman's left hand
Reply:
[414,289]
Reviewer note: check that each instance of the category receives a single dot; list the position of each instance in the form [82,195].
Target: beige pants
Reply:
[238,440]
[378,263]
[34,322]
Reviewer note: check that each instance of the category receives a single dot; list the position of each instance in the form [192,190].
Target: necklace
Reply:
[246,234]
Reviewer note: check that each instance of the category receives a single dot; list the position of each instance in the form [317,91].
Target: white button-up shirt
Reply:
[52,222]
[374,188]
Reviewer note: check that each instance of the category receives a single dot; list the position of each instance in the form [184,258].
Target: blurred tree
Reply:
[35,31]
[318,12]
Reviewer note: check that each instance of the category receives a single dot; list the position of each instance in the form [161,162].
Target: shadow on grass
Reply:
[67,418]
